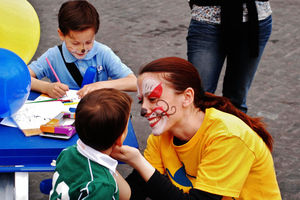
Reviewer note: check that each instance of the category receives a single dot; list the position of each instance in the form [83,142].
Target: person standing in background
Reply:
[237,31]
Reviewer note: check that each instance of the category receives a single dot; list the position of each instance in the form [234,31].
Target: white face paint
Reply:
[78,54]
[149,85]
[152,91]
[157,123]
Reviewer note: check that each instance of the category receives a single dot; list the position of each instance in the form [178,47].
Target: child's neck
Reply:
[107,151]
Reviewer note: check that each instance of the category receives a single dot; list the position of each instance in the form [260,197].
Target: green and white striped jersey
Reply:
[78,177]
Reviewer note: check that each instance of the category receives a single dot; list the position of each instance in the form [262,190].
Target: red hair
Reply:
[182,74]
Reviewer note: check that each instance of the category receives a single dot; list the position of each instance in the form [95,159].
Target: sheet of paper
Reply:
[32,115]
[35,114]
[71,95]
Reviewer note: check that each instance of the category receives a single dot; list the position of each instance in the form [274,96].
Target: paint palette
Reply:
[60,126]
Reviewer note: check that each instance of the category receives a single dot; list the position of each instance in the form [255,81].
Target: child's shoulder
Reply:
[100,46]
[52,51]
[100,50]
[54,48]
[68,152]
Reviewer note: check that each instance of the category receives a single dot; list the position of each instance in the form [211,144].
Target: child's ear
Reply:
[122,137]
[61,35]
[188,97]
[119,141]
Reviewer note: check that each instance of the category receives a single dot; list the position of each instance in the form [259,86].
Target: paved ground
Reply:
[140,31]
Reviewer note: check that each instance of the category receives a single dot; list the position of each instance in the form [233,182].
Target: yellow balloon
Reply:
[19,28]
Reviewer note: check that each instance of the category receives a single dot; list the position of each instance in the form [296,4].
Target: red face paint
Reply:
[157,113]
[156,92]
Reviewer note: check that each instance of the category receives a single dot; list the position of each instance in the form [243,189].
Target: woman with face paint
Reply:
[79,54]
[201,146]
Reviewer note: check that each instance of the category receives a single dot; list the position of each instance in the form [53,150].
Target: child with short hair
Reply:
[86,170]
[78,22]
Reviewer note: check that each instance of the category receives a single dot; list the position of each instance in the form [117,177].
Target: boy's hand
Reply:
[89,88]
[57,89]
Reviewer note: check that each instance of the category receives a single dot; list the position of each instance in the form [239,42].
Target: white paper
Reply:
[33,115]
[71,95]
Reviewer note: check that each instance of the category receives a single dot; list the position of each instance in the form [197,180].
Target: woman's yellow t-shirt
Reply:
[225,157]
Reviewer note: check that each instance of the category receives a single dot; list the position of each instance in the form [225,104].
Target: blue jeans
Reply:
[206,51]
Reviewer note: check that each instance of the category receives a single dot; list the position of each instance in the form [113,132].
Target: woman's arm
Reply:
[156,186]
[124,189]
[134,158]
[160,187]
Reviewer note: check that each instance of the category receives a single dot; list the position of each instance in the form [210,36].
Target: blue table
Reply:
[35,153]
[19,153]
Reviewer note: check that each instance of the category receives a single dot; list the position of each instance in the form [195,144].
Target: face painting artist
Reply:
[201,146]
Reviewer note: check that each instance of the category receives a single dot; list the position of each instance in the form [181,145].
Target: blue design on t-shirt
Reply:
[180,177]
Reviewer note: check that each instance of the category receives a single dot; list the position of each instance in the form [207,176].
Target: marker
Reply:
[72,110]
[52,70]
[72,103]
[66,101]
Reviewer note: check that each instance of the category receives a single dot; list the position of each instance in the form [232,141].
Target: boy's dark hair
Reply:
[101,117]
[77,16]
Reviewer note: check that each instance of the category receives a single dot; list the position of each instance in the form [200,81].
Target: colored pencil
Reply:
[52,70]
[46,100]
[72,103]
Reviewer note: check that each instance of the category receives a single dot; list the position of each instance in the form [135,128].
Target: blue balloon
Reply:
[15,83]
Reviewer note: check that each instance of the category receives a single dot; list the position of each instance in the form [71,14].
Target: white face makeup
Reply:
[157,122]
[158,117]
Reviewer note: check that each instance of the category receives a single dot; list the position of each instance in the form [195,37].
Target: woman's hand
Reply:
[127,154]
[134,158]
